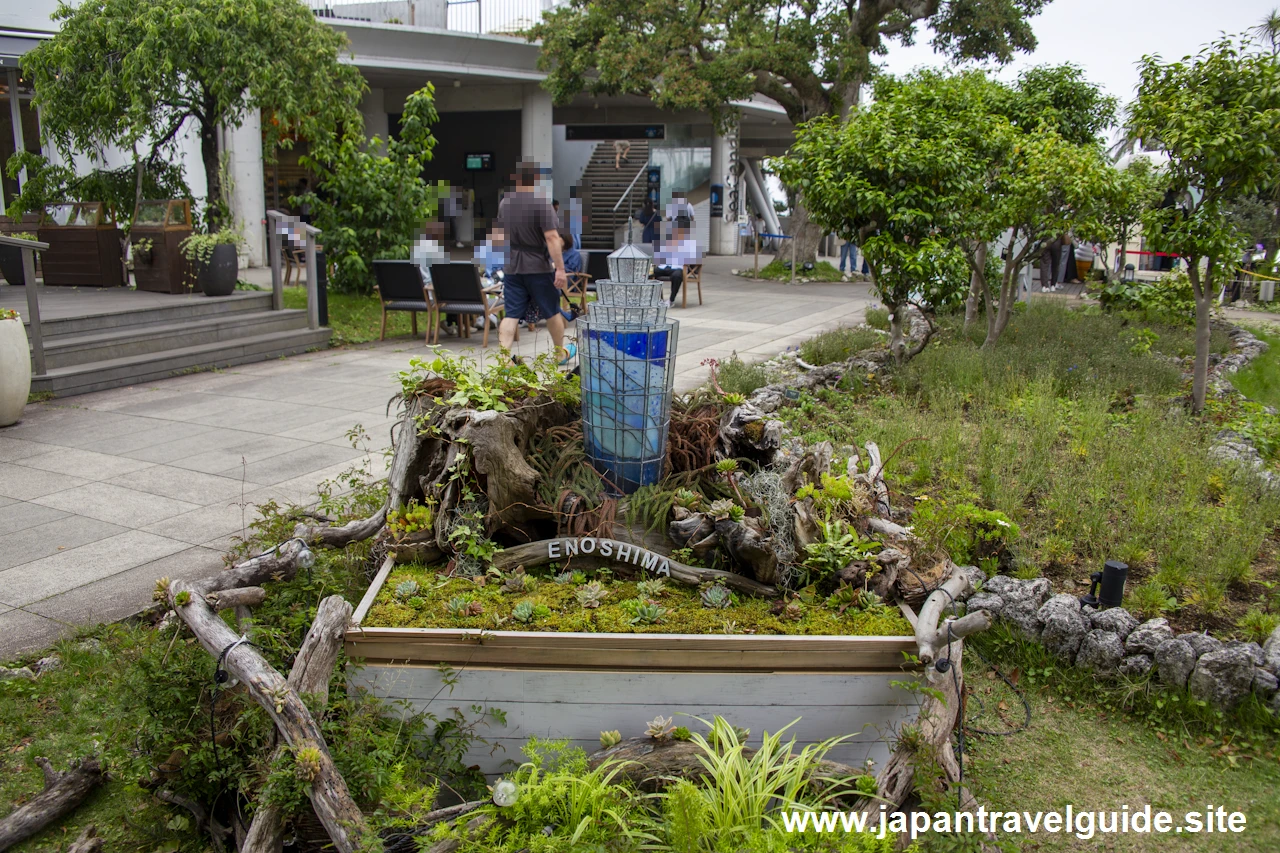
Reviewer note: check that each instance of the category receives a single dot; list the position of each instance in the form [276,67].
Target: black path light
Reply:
[1111,580]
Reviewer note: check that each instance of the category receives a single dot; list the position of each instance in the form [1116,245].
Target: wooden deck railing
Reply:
[29,249]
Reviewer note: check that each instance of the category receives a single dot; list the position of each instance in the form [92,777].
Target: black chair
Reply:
[458,290]
[597,265]
[400,288]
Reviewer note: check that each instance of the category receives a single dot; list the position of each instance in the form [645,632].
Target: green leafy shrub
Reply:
[1150,599]
[836,495]
[1257,626]
[738,377]
[1169,300]
[497,386]
[839,546]
[966,532]
[839,345]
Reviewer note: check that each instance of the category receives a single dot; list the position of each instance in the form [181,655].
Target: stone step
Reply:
[131,370]
[139,339]
[195,306]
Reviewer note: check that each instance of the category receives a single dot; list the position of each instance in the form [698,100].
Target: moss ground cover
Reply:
[681,609]
[1074,429]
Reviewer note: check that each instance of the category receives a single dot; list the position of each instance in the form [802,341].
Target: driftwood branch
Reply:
[233,599]
[932,637]
[312,670]
[537,554]
[87,842]
[875,476]
[332,802]
[62,793]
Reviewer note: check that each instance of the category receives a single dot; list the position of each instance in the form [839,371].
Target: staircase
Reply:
[107,350]
[603,185]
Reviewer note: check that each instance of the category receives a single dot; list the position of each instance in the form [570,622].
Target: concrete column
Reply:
[374,110]
[724,228]
[248,200]
[536,125]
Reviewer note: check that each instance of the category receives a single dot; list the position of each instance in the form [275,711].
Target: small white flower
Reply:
[1002,522]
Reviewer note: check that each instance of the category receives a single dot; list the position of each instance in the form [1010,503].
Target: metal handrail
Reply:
[29,249]
[277,281]
[630,187]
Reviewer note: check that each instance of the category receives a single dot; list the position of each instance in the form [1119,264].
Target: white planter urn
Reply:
[15,370]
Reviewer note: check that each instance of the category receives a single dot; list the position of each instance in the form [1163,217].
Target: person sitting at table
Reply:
[675,253]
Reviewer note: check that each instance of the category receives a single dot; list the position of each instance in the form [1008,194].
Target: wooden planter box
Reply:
[575,685]
[163,269]
[84,246]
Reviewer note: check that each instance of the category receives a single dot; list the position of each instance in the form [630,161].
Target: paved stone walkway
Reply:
[102,494]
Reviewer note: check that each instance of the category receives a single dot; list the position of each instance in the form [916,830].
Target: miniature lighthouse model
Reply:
[628,352]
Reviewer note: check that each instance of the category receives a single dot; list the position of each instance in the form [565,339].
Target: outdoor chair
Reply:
[577,289]
[692,274]
[458,290]
[400,288]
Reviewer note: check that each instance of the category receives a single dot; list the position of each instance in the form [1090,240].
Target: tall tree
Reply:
[811,56]
[130,72]
[1217,116]
[896,177]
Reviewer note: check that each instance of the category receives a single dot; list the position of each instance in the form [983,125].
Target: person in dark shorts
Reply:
[535,266]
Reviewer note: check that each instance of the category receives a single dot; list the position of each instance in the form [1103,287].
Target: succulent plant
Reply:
[735,399]
[417,602]
[649,614]
[794,611]
[563,577]
[406,589]
[843,598]
[720,509]
[716,597]
[681,733]
[591,595]
[726,466]
[869,600]
[651,588]
[459,606]
[737,513]
[527,612]
[608,739]
[659,728]
[687,498]
[518,582]
[161,592]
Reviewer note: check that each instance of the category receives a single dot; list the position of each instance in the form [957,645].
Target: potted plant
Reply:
[214,258]
[11,259]
[15,367]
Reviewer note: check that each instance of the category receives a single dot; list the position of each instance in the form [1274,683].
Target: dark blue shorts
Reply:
[520,290]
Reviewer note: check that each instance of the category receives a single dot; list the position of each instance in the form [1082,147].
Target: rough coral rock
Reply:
[1201,643]
[988,601]
[1136,665]
[1100,650]
[1147,637]
[1271,652]
[1064,626]
[1264,683]
[1223,678]
[1175,659]
[1117,620]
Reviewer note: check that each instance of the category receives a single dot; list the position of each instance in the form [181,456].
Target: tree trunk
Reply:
[807,233]
[897,337]
[1203,289]
[312,669]
[977,285]
[62,793]
[998,318]
[209,156]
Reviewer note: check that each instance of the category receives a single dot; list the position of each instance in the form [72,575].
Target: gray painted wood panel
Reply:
[579,704]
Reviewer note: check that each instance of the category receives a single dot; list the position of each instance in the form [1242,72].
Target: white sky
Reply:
[1107,37]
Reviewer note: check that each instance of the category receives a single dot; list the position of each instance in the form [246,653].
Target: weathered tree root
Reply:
[87,842]
[332,802]
[62,793]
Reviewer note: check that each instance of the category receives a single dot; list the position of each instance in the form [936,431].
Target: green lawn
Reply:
[1260,381]
[357,319]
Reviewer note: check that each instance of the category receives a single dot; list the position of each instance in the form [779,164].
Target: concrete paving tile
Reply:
[6,501]
[157,433]
[72,427]
[15,449]
[87,464]
[21,515]
[296,463]
[207,522]
[335,428]
[125,593]
[181,484]
[17,481]
[22,632]
[217,450]
[66,570]
[116,504]
[41,540]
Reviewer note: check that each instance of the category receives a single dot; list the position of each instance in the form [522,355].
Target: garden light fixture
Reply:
[1111,580]
[1129,274]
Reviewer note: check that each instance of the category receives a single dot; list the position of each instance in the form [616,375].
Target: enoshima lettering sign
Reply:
[622,552]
